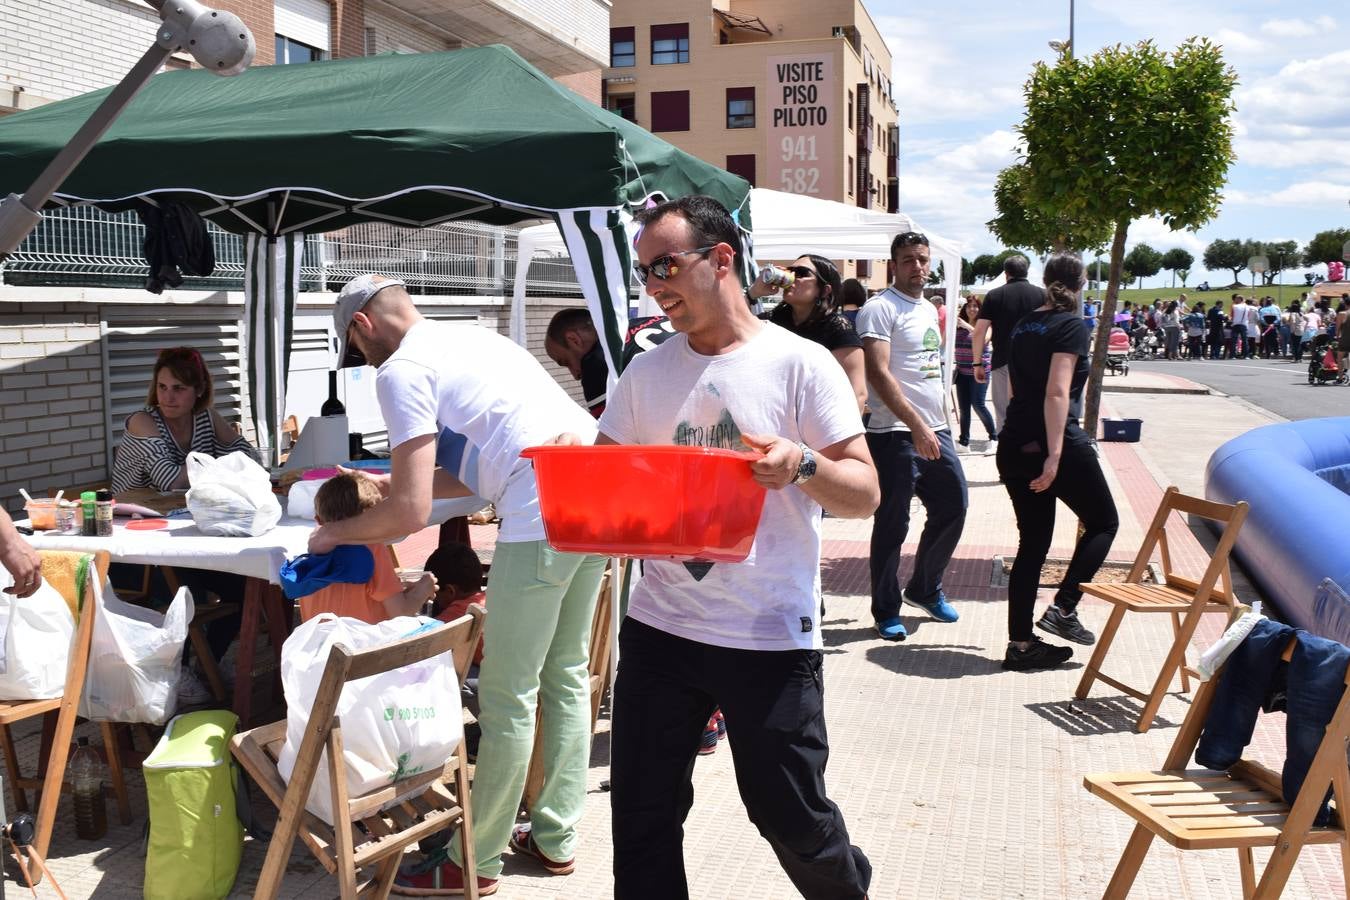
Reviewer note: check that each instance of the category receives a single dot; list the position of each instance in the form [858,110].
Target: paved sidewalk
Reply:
[957,778]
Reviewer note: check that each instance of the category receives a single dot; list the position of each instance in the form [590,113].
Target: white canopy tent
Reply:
[785,227]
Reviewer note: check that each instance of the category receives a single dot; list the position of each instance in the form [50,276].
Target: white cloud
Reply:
[1153,232]
[1293,150]
[1240,41]
[1301,193]
[1306,92]
[1296,28]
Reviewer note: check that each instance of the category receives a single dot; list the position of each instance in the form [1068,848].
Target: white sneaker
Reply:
[191,691]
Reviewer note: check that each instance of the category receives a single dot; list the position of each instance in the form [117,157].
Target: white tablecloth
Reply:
[182,545]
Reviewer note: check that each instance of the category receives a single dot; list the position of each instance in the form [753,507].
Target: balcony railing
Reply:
[86,247]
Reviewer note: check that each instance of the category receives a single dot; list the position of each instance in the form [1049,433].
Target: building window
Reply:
[302,30]
[742,164]
[624,105]
[741,107]
[850,114]
[670,44]
[291,51]
[670,110]
[850,175]
[622,47]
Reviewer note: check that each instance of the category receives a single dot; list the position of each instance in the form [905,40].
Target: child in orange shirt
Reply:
[383,597]
[459,579]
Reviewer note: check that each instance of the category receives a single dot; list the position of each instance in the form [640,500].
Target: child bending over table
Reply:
[384,596]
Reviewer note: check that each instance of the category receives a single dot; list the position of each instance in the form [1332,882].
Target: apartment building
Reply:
[78,332]
[793,95]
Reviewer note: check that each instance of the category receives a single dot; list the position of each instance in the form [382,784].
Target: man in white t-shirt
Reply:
[434,376]
[910,441]
[745,636]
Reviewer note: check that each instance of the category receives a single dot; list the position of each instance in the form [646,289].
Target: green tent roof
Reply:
[412,139]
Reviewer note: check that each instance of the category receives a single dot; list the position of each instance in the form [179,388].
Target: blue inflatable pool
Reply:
[1294,545]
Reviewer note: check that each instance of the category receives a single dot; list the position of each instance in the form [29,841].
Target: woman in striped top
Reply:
[178,418]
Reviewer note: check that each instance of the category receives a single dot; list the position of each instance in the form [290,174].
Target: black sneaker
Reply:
[1038,655]
[1066,625]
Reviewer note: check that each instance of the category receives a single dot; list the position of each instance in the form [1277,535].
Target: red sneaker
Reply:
[443,880]
[522,841]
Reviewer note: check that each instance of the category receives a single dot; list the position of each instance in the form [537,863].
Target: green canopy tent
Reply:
[411,140]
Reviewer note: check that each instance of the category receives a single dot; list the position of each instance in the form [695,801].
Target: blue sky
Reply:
[959,69]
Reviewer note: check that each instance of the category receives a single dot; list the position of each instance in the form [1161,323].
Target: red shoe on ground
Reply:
[522,841]
[438,880]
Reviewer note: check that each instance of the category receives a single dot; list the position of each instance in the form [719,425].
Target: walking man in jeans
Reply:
[745,636]
[910,441]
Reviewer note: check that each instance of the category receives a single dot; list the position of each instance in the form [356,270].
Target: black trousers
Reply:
[1082,487]
[773,702]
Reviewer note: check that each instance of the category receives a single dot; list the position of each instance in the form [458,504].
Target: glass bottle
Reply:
[332,406]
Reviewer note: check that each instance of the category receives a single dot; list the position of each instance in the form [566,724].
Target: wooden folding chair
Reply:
[1201,809]
[52,772]
[1184,599]
[375,828]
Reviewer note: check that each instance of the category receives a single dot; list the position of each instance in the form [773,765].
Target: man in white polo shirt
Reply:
[431,377]
[910,441]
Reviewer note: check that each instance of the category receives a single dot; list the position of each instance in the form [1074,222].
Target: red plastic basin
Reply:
[648,502]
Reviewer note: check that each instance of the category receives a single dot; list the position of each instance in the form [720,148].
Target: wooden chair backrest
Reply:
[467,639]
[1328,765]
[1217,579]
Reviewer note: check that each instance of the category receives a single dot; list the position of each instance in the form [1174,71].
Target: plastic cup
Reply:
[41,513]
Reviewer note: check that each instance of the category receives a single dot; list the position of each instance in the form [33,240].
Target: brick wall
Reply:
[259,17]
[52,396]
[587,84]
[60,48]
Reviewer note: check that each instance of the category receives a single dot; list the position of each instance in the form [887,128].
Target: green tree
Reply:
[1282,256]
[1233,255]
[1326,246]
[967,272]
[1183,274]
[1144,262]
[983,265]
[1021,224]
[1177,261]
[1127,276]
[1129,132]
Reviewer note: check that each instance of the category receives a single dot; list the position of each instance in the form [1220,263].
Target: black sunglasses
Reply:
[801,271]
[664,267]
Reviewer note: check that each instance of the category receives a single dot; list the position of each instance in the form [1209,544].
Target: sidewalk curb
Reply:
[1145,389]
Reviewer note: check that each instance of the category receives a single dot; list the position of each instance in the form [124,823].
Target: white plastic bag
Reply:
[135,660]
[231,496]
[394,724]
[37,643]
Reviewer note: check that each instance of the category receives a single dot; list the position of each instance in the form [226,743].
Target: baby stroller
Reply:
[1146,344]
[1322,365]
[1118,352]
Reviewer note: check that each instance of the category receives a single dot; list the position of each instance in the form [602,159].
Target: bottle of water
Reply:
[86,774]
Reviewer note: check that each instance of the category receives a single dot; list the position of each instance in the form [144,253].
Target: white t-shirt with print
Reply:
[910,326]
[774,384]
[494,393]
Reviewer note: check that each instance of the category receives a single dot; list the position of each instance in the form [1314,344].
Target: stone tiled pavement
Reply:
[958,779]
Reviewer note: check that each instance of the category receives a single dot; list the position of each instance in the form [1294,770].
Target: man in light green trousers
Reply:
[496,399]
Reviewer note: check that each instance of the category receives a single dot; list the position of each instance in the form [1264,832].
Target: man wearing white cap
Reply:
[432,376]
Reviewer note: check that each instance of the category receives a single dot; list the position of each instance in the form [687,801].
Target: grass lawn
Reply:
[1283,294]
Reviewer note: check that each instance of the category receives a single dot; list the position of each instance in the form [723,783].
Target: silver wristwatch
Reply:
[807,467]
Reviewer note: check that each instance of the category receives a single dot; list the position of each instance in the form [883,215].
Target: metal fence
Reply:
[86,247]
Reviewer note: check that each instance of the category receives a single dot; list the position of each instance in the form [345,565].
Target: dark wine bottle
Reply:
[332,406]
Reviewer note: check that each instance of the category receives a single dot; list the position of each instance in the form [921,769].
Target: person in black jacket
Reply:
[1001,310]
[1044,456]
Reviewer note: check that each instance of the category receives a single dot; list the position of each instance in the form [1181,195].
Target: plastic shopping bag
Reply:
[36,639]
[231,496]
[394,724]
[135,660]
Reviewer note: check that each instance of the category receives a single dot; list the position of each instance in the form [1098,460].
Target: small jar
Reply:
[65,518]
[103,514]
[88,503]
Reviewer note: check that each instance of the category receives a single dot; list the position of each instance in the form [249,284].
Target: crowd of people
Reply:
[1243,328]
[848,420]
